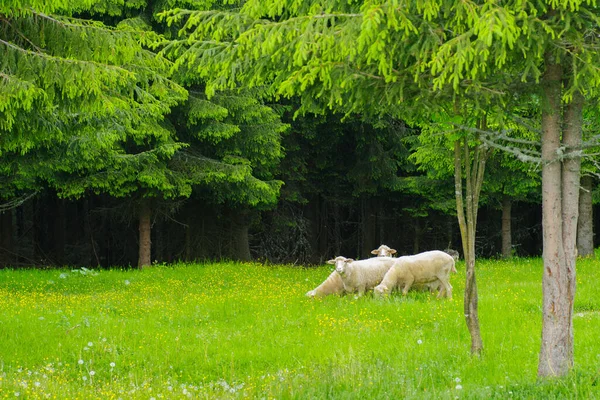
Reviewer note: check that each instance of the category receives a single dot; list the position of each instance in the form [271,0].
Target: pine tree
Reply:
[83,103]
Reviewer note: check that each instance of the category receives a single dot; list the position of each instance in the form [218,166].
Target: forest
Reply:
[141,132]
[117,150]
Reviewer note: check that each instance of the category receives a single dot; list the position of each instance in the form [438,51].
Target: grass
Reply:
[233,330]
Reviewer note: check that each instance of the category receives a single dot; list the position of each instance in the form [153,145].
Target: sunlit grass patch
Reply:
[229,330]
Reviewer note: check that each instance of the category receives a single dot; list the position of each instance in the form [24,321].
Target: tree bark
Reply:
[369,227]
[417,237]
[59,228]
[145,228]
[241,244]
[560,195]
[585,223]
[506,227]
[7,243]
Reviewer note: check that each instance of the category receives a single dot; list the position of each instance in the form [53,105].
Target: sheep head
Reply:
[341,264]
[383,251]
[381,290]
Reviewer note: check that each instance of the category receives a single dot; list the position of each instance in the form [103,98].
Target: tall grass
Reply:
[233,330]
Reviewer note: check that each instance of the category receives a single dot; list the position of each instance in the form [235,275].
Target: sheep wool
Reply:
[363,274]
[422,268]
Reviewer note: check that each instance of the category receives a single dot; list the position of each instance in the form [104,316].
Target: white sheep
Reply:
[423,268]
[384,251]
[363,274]
[332,285]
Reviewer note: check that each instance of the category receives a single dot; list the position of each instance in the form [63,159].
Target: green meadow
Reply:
[246,330]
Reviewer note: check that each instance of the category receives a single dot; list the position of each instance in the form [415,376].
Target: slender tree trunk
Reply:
[7,248]
[506,227]
[467,219]
[188,242]
[585,223]
[560,195]
[323,225]
[59,231]
[369,227]
[417,236]
[145,227]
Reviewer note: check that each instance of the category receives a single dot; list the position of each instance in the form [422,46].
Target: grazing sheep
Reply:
[383,251]
[363,274]
[332,285]
[423,268]
[455,254]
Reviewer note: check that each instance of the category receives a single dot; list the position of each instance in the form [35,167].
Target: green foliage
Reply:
[233,330]
[84,103]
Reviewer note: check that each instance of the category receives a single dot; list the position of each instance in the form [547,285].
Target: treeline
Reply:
[116,149]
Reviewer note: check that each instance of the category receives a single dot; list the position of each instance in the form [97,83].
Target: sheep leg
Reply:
[361,290]
[447,289]
[407,284]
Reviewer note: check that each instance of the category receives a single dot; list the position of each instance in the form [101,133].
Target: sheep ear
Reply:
[392,251]
[331,262]
[374,252]
[349,260]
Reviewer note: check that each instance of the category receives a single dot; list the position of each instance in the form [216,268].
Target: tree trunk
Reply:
[417,236]
[560,195]
[369,227]
[506,227]
[585,223]
[467,220]
[241,244]
[59,229]
[7,243]
[145,227]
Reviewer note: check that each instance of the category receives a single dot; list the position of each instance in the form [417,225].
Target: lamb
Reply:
[424,268]
[334,284]
[363,274]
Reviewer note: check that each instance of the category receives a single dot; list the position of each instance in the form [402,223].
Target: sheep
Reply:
[363,274]
[455,254]
[383,251]
[332,285]
[424,268]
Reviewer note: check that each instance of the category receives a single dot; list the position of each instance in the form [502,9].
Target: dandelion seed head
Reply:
[458,387]
[112,364]
[419,341]
[80,362]
[90,344]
